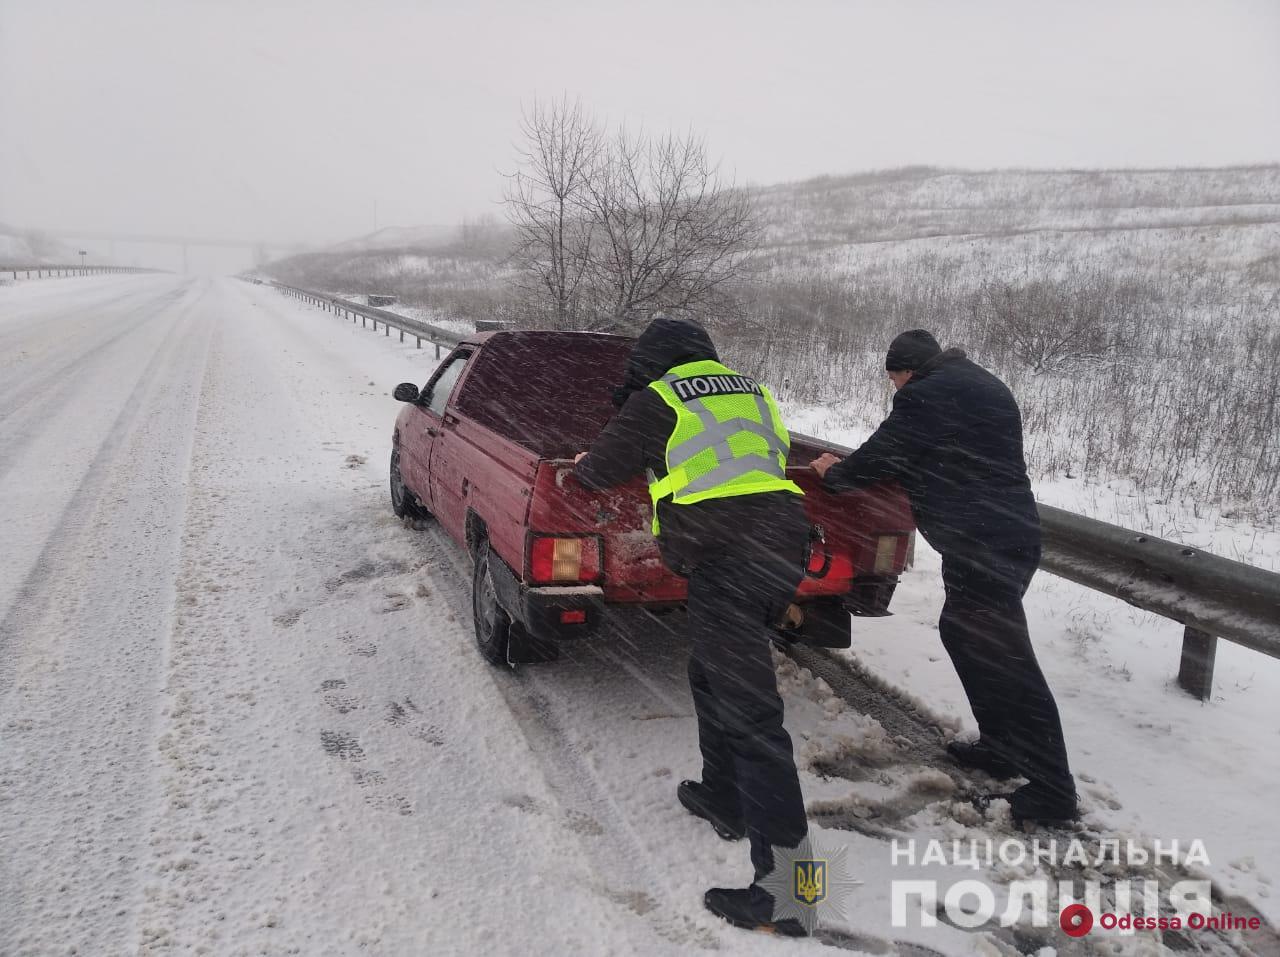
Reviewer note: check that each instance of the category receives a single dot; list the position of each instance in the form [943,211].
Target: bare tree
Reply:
[611,230]
[1046,326]
[562,146]
[667,232]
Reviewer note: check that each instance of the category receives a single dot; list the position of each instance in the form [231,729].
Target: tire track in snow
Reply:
[23,414]
[626,872]
[87,338]
[82,647]
[64,545]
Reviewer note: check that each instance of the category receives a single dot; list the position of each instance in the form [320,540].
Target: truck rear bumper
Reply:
[560,614]
[551,614]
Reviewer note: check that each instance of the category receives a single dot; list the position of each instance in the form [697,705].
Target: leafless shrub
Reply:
[667,233]
[545,202]
[612,229]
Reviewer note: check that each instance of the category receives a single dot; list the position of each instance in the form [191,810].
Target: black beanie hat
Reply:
[911,350]
[665,342]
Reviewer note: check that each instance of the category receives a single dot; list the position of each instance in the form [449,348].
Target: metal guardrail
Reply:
[1214,597]
[45,270]
[390,320]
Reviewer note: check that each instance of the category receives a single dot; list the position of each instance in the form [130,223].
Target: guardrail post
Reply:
[402,335]
[419,338]
[386,330]
[437,345]
[1195,674]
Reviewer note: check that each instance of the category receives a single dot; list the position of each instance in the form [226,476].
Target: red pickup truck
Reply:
[487,446]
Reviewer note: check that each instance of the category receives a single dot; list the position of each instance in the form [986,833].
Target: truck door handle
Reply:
[431,431]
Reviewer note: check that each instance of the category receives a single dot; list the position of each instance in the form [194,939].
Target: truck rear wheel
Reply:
[403,502]
[493,626]
[826,625]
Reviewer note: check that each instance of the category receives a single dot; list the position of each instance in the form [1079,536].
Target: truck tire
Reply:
[493,626]
[403,502]
[826,625]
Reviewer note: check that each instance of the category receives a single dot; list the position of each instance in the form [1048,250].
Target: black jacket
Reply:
[635,440]
[954,442]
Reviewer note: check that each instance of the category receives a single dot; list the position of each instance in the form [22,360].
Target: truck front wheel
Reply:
[403,502]
[493,627]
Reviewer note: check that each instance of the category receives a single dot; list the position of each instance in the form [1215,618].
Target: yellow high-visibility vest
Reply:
[729,438]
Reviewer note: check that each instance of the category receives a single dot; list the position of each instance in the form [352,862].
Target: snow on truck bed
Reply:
[550,392]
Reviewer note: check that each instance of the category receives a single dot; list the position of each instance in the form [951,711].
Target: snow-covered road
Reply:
[239,702]
[241,712]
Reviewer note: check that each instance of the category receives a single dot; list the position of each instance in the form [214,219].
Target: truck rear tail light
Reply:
[573,617]
[557,560]
[886,554]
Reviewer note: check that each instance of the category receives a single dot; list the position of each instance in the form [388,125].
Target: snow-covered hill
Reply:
[20,248]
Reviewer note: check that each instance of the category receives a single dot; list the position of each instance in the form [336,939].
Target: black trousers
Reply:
[984,630]
[747,761]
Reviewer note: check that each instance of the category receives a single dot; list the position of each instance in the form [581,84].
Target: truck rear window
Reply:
[550,392]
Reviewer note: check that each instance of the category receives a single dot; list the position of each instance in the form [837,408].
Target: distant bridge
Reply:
[175,240]
[170,239]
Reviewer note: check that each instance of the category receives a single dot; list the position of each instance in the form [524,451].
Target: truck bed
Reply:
[499,466]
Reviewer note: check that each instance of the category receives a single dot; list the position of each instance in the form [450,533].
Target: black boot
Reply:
[693,795]
[1044,803]
[981,757]
[751,908]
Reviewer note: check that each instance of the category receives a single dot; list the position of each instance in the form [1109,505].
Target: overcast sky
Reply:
[288,120]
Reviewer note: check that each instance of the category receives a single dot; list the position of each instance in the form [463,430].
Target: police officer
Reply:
[714,449]
[954,442]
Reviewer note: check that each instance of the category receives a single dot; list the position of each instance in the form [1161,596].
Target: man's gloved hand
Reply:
[579,457]
[824,462]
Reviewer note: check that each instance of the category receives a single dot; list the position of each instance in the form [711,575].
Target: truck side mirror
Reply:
[406,392]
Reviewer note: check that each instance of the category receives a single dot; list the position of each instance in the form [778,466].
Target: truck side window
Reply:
[444,383]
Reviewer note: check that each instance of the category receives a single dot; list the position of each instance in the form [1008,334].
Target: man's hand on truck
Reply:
[579,457]
[823,462]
